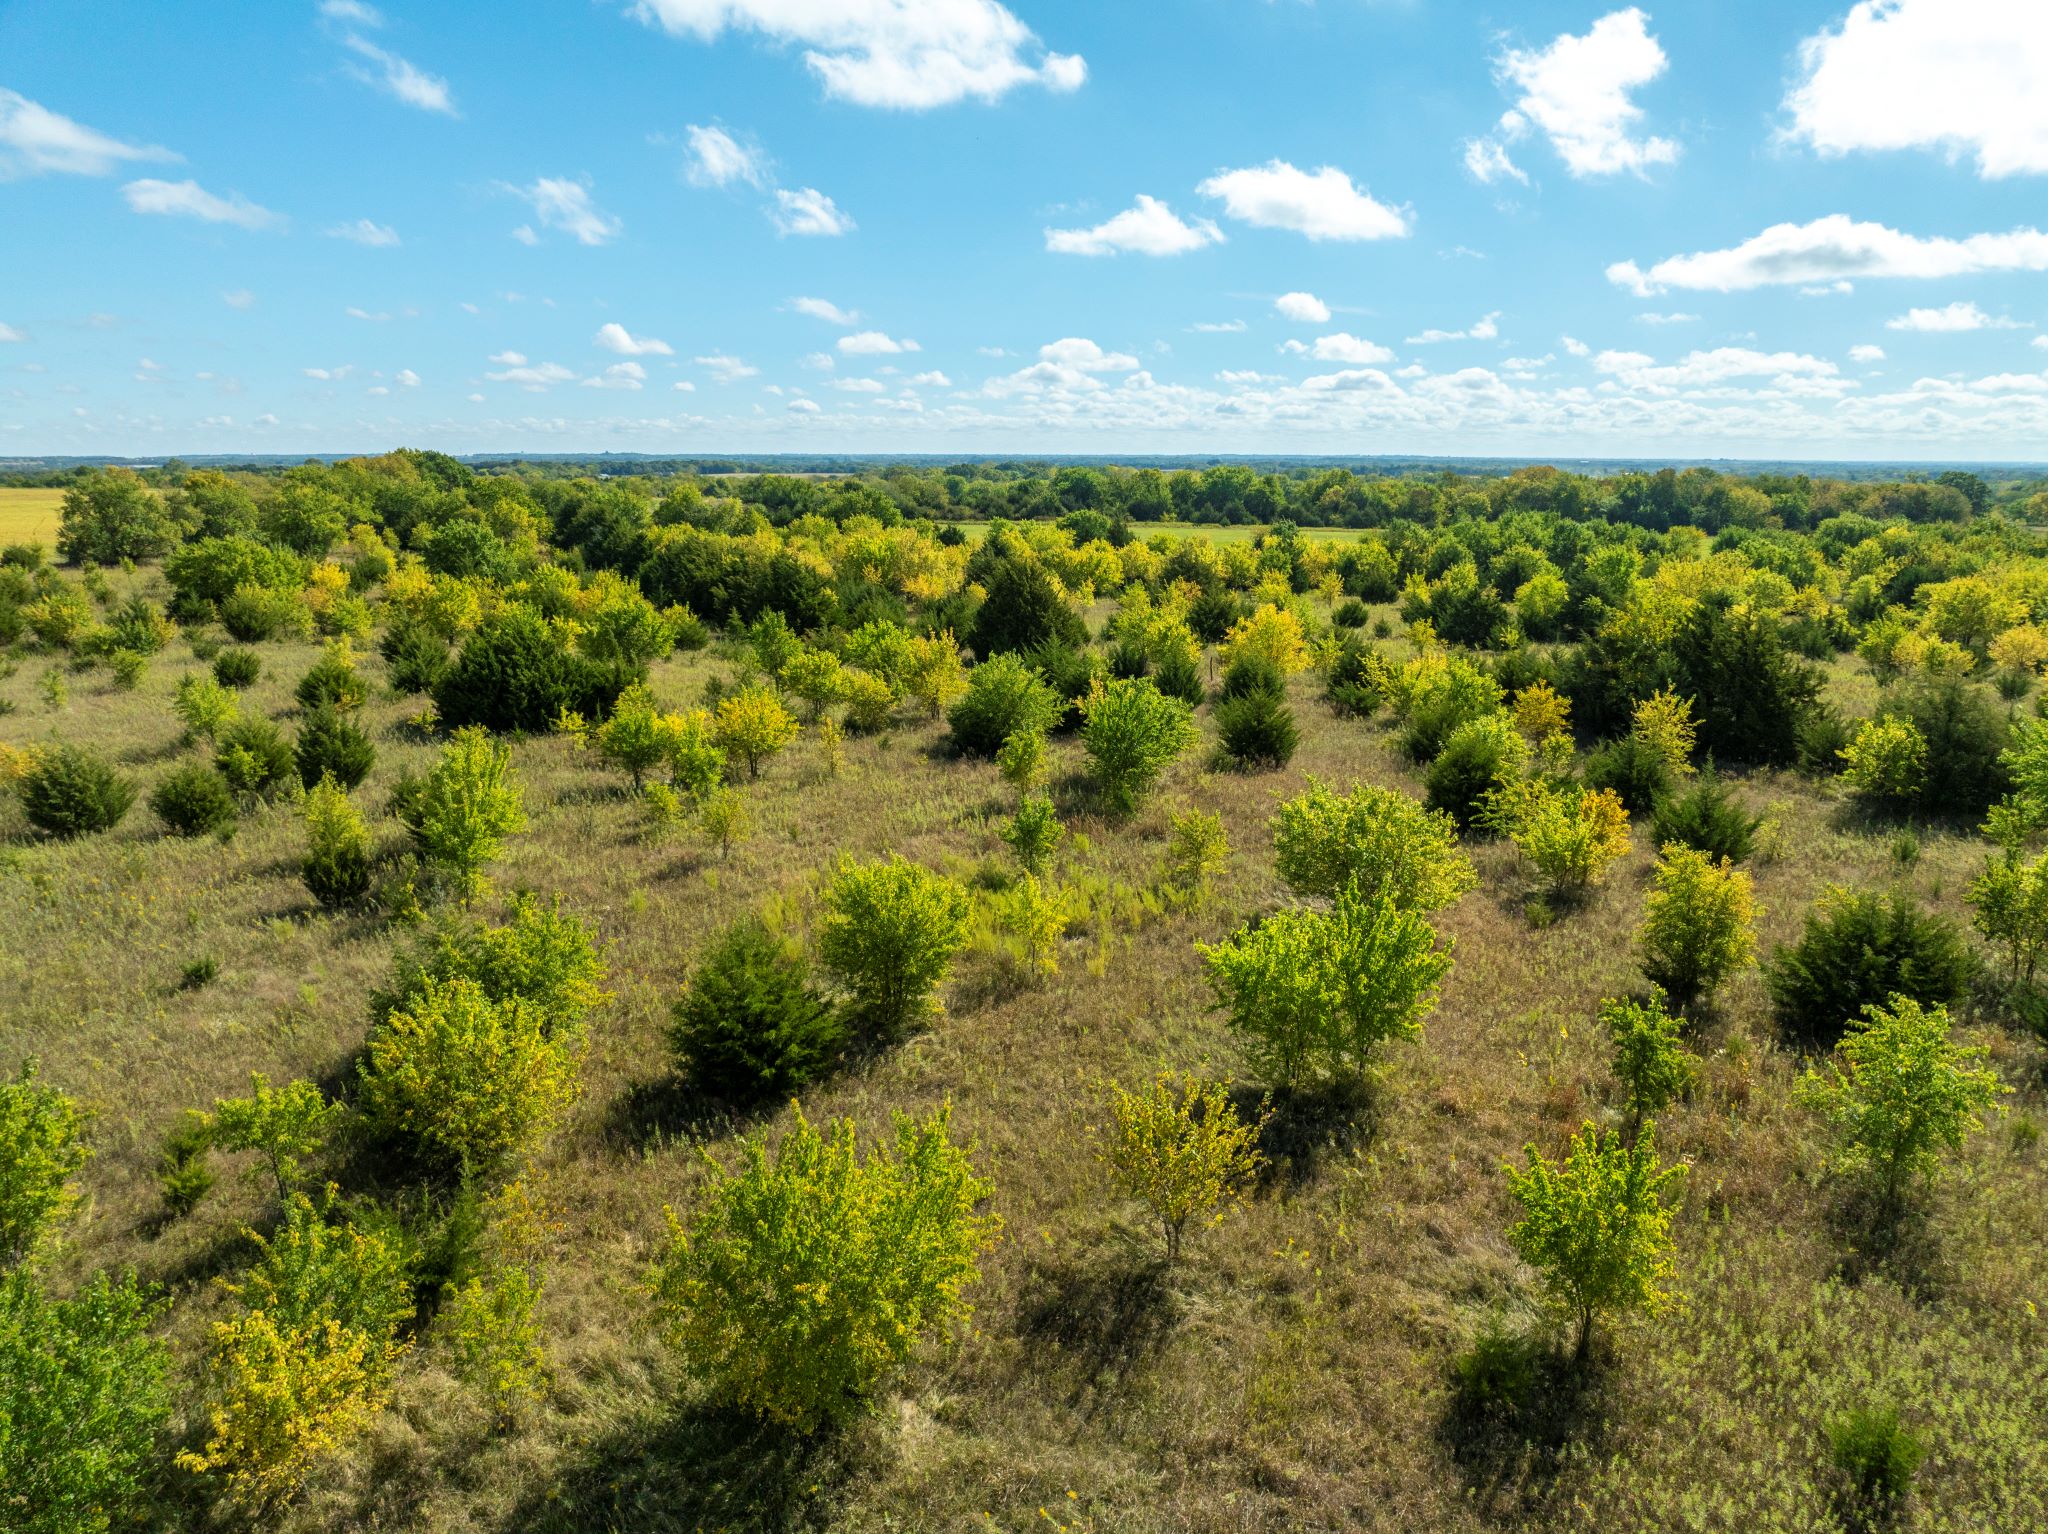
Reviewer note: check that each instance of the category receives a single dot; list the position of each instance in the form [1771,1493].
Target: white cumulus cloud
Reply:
[1576,92]
[363,231]
[824,309]
[1148,228]
[1869,353]
[1302,308]
[34,141]
[808,211]
[565,205]
[1961,315]
[1485,328]
[1341,347]
[874,343]
[188,199]
[726,369]
[1959,76]
[1322,204]
[614,337]
[1835,248]
[714,157]
[905,54]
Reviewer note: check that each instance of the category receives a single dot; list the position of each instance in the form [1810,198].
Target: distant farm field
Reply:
[28,515]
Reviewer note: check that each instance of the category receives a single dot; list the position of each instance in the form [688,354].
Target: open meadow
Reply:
[29,516]
[1353,1343]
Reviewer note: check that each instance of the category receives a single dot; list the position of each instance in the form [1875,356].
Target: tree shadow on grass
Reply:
[1103,1317]
[1517,1405]
[668,1109]
[1896,1242]
[701,1469]
[1308,1125]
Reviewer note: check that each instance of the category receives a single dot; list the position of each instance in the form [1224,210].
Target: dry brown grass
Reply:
[1295,1374]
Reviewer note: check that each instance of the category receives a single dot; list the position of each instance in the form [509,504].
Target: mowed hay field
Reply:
[1296,1373]
[30,516]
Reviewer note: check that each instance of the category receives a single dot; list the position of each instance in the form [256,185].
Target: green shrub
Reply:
[1443,704]
[2009,906]
[1073,675]
[415,658]
[889,934]
[288,1125]
[1132,735]
[337,864]
[1707,818]
[1903,1093]
[208,571]
[84,1400]
[1196,850]
[750,1027]
[1876,1454]
[111,515]
[256,758]
[1698,924]
[460,813]
[332,681]
[516,671]
[1351,614]
[1004,697]
[1965,732]
[205,706]
[1024,609]
[194,800]
[1348,681]
[1596,1227]
[1859,950]
[1653,1069]
[1312,994]
[1478,758]
[332,745]
[1034,834]
[465,1080]
[751,725]
[1377,839]
[1179,675]
[1178,1146]
[184,1176]
[1250,673]
[40,1152]
[1634,769]
[807,1277]
[237,668]
[252,614]
[70,791]
[1256,731]
[543,956]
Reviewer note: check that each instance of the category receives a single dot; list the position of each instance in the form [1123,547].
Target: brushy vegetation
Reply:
[414,1062]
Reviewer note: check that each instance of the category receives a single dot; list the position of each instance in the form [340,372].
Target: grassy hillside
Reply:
[1297,1373]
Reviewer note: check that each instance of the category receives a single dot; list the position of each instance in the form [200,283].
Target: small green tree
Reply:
[1377,838]
[463,810]
[289,1125]
[750,1026]
[83,1400]
[468,1080]
[2009,905]
[1022,759]
[889,934]
[1196,850]
[1313,994]
[337,864]
[752,725]
[1596,1226]
[544,956]
[41,1150]
[638,737]
[70,791]
[1904,1093]
[205,705]
[726,819]
[1034,834]
[1178,1146]
[810,1274]
[816,677]
[1699,924]
[1133,733]
[1652,1067]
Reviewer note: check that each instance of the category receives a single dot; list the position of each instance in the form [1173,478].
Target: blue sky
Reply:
[1752,228]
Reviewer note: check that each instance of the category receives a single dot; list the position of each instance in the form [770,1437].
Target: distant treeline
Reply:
[1235,493]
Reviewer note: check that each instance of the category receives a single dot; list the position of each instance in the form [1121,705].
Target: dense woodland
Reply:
[924,999]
